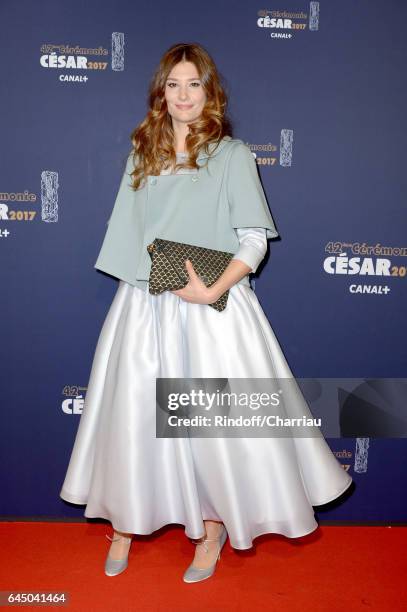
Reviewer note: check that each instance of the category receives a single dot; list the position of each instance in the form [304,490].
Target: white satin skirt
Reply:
[124,473]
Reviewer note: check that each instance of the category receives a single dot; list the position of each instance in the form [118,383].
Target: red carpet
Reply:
[332,569]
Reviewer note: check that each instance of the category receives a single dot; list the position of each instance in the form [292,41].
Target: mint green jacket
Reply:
[201,208]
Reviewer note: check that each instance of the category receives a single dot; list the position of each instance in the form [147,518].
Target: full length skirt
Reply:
[140,482]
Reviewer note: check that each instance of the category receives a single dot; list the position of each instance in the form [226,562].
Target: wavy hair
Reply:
[153,138]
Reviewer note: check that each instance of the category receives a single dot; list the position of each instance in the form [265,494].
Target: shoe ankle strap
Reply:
[119,537]
[204,540]
[113,539]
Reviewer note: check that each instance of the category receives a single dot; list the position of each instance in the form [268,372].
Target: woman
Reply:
[188,180]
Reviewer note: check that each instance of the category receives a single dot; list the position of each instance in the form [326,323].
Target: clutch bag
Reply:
[168,270]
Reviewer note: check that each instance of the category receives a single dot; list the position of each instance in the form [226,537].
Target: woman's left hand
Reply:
[195,291]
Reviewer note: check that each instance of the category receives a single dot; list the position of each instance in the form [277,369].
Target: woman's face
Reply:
[184,93]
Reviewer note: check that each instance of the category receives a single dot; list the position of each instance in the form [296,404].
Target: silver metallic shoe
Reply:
[113,567]
[196,574]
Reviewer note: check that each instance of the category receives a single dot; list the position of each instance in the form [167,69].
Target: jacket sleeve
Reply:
[247,202]
[118,243]
[124,184]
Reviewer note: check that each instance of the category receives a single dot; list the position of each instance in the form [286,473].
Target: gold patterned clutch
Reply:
[168,270]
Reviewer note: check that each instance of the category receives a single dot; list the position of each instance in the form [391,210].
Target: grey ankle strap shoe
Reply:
[113,567]
[195,574]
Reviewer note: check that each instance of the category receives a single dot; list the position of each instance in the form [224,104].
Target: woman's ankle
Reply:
[122,534]
[213,529]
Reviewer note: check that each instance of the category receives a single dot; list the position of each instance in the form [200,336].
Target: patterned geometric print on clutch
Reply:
[168,270]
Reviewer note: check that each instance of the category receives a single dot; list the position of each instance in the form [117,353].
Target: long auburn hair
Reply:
[153,138]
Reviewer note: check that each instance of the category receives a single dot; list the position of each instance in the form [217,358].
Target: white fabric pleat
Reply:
[123,473]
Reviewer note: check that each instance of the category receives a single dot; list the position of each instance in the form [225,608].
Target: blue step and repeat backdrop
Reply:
[317,90]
